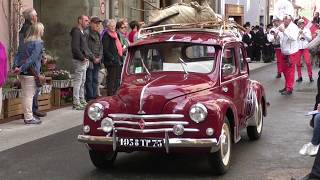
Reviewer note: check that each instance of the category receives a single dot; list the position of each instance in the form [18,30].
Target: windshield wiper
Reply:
[183,64]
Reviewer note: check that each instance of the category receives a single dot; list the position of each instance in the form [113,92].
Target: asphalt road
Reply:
[274,156]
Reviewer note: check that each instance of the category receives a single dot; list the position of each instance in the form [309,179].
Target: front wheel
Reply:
[254,132]
[220,160]
[102,160]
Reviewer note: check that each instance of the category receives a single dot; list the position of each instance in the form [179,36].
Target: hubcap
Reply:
[225,144]
[258,118]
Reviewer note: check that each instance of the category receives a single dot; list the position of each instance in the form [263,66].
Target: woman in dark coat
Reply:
[112,55]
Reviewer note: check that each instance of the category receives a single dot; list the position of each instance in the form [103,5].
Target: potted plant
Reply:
[61,79]
[12,88]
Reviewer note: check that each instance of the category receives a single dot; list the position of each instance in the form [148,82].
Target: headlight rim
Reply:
[204,109]
[101,107]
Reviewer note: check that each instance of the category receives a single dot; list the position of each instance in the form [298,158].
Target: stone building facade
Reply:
[59,16]
[11,21]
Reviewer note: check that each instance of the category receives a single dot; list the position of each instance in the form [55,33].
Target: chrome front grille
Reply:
[157,116]
[146,125]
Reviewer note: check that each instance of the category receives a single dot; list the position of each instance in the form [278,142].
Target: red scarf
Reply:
[114,35]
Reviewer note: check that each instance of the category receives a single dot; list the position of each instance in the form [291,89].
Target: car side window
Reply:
[228,62]
[243,67]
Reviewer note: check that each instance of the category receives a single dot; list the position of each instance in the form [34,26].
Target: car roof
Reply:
[196,35]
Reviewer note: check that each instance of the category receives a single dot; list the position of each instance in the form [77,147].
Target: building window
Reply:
[130,9]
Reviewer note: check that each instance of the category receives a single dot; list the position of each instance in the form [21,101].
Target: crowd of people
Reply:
[92,49]
[285,40]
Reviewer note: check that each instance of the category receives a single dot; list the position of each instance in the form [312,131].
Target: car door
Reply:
[243,81]
[230,81]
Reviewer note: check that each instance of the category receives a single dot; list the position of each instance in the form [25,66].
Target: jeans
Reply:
[92,82]
[316,130]
[35,105]
[315,172]
[79,80]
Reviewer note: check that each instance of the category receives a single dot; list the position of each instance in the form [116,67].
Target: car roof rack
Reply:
[223,28]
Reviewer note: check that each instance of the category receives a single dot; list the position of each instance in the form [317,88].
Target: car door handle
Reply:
[225,89]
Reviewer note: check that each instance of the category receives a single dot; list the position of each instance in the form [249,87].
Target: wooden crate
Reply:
[56,98]
[12,107]
[44,102]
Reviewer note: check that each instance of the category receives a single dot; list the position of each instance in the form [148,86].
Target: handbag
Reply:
[40,79]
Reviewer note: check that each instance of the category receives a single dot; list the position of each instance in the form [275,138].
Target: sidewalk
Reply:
[16,133]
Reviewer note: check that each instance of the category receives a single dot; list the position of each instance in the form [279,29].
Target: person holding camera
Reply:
[303,40]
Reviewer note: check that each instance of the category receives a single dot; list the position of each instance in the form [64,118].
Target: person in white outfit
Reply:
[288,34]
[304,39]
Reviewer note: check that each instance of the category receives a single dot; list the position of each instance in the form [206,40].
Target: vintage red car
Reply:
[182,90]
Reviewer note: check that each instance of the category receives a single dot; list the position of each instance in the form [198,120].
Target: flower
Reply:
[61,75]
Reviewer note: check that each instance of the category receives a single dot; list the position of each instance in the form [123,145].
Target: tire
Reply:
[102,160]
[220,160]
[254,132]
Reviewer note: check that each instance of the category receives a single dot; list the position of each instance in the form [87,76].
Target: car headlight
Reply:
[95,111]
[198,112]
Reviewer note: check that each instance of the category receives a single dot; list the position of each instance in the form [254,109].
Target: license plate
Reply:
[150,143]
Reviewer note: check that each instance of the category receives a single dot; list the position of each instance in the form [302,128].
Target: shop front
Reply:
[235,11]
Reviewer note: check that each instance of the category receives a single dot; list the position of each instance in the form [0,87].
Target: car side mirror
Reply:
[248,60]
[227,69]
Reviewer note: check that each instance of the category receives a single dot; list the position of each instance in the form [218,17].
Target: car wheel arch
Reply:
[231,118]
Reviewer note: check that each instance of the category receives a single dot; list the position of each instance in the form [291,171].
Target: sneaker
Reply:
[286,93]
[309,149]
[282,90]
[311,79]
[39,114]
[33,121]
[78,107]
[312,150]
[299,79]
[83,102]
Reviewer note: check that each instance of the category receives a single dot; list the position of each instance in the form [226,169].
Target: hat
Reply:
[95,19]
[275,19]
[300,21]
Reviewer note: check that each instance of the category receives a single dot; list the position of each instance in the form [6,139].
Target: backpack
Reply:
[3,65]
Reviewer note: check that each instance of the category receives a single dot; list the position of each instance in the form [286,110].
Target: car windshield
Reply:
[181,57]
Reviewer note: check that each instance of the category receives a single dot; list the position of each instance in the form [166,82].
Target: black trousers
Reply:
[113,78]
[249,50]
[267,53]
[256,53]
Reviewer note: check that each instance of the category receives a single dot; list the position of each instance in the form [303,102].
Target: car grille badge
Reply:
[141,124]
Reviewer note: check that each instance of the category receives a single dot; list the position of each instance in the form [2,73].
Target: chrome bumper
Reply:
[211,143]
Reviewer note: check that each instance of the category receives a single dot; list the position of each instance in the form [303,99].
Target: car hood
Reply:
[149,96]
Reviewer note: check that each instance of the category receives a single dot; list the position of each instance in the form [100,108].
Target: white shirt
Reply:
[289,39]
[306,34]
